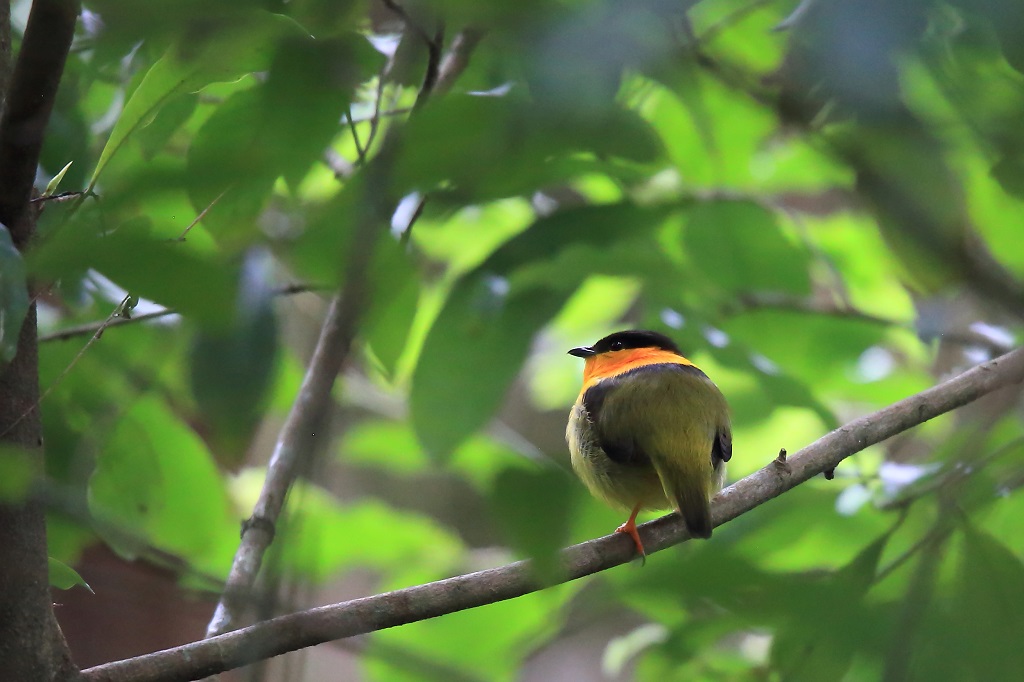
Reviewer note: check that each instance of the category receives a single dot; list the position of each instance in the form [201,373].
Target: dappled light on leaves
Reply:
[820,202]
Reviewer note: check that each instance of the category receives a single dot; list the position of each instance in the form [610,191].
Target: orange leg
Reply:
[629,528]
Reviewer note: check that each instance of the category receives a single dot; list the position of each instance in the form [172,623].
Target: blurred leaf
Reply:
[13,296]
[242,45]
[821,643]
[145,265]
[738,245]
[63,577]
[488,643]
[279,127]
[321,536]
[621,650]
[490,147]
[231,369]
[988,595]
[919,203]
[566,74]
[155,479]
[169,118]
[818,349]
[396,295]
[1009,172]
[479,340]
[384,445]
[533,507]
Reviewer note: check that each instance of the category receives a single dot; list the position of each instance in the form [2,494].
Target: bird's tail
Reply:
[690,491]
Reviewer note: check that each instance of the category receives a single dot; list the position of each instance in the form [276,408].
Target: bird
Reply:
[649,430]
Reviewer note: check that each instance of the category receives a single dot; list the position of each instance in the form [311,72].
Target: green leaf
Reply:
[279,127]
[532,508]
[63,577]
[169,118]
[481,337]
[988,596]
[54,183]
[144,264]
[321,536]
[739,247]
[490,147]
[244,45]
[820,642]
[155,479]
[396,295]
[13,296]
[486,643]
[232,368]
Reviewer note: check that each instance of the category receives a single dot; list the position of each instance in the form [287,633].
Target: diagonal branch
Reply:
[360,616]
[307,414]
[298,434]
[91,328]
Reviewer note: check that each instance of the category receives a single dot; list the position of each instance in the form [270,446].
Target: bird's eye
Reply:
[617,345]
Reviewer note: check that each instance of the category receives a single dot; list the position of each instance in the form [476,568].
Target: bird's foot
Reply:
[629,528]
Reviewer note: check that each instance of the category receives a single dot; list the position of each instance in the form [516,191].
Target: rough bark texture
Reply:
[31,645]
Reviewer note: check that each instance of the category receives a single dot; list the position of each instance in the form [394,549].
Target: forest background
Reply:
[362,235]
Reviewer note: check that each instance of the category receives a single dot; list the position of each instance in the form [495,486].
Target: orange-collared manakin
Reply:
[649,430]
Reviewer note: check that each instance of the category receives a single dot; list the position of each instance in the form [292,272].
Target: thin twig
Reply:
[369,614]
[307,414]
[93,327]
[457,58]
[300,429]
[434,45]
[417,212]
[375,119]
[389,113]
[929,538]
[360,151]
[97,333]
[202,214]
[434,48]
[956,473]
[409,23]
[778,301]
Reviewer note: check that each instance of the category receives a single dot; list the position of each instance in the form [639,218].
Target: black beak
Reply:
[583,352]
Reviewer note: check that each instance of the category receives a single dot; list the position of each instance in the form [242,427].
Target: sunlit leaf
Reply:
[479,340]
[63,577]
[156,480]
[739,247]
[146,265]
[244,46]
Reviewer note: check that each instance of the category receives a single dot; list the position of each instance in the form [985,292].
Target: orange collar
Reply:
[609,364]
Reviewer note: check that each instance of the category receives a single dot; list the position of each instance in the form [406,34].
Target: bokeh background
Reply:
[822,202]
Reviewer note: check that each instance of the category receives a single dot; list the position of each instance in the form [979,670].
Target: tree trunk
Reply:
[31,644]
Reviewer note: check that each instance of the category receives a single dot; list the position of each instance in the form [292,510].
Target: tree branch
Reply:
[306,417]
[298,434]
[360,616]
[51,26]
[91,328]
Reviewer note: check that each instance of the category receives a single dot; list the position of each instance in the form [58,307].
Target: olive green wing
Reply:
[672,417]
